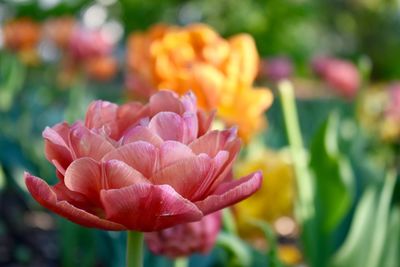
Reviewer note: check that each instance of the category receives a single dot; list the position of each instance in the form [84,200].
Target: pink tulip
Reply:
[340,74]
[185,239]
[85,44]
[141,167]
[276,68]
[393,109]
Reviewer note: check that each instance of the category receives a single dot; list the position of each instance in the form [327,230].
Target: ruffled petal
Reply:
[186,175]
[141,133]
[140,155]
[86,143]
[230,193]
[205,120]
[213,141]
[172,151]
[84,176]
[168,125]
[46,196]
[100,113]
[165,101]
[89,177]
[56,147]
[147,207]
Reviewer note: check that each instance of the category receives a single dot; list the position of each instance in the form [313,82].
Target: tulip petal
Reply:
[56,148]
[86,143]
[88,177]
[172,151]
[100,113]
[141,133]
[229,193]
[218,164]
[205,121]
[140,155]
[213,141]
[186,175]
[168,125]
[165,101]
[84,176]
[147,207]
[47,197]
[192,127]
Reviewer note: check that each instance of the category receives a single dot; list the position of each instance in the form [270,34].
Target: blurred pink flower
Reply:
[86,44]
[185,239]
[276,68]
[141,167]
[341,75]
[393,109]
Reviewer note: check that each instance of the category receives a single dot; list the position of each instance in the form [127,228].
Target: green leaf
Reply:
[12,76]
[241,255]
[333,175]
[364,245]
[390,256]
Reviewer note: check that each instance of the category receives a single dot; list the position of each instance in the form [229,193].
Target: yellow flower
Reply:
[276,196]
[374,115]
[289,254]
[219,71]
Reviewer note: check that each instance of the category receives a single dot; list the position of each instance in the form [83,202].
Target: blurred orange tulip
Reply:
[21,34]
[60,30]
[101,68]
[219,71]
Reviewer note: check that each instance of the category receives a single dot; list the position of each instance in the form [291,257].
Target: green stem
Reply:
[303,177]
[134,249]
[181,262]
[305,207]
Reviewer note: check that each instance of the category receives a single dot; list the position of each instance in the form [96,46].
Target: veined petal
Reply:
[213,141]
[85,143]
[46,196]
[172,151]
[147,207]
[186,175]
[168,125]
[88,177]
[141,133]
[140,155]
[165,101]
[56,148]
[229,193]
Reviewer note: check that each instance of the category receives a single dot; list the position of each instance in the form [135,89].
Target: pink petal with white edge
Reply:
[141,133]
[192,127]
[44,194]
[56,148]
[168,125]
[86,143]
[230,193]
[100,113]
[84,176]
[165,101]
[147,207]
[172,151]
[186,175]
[88,177]
[218,162]
[205,121]
[140,155]
[213,141]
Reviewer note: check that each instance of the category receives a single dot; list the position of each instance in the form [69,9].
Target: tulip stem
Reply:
[134,249]
[305,208]
[181,262]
